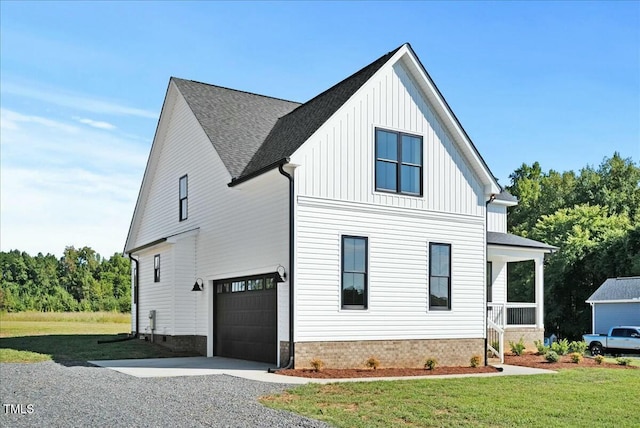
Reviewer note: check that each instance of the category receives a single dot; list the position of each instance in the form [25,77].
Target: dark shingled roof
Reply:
[236,122]
[292,130]
[509,240]
[617,289]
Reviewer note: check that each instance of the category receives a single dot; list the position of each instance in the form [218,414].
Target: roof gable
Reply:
[616,289]
[236,122]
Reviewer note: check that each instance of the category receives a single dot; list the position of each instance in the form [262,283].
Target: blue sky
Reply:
[82,84]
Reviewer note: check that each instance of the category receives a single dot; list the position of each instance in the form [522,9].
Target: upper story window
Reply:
[184,193]
[156,268]
[398,162]
[354,272]
[440,276]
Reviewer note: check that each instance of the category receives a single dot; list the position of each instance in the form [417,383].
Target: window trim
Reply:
[489,281]
[183,215]
[399,163]
[440,308]
[365,304]
[156,268]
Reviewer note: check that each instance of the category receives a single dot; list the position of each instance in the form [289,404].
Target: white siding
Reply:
[156,296]
[398,272]
[338,160]
[497,218]
[241,230]
[499,272]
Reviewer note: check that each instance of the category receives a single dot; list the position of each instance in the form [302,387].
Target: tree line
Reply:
[593,217]
[81,280]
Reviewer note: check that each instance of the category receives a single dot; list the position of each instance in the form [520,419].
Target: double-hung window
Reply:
[398,162]
[184,192]
[156,268]
[439,276]
[354,272]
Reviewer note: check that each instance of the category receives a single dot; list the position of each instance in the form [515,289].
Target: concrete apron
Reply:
[202,366]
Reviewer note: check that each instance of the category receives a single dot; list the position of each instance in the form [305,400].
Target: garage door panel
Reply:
[246,325]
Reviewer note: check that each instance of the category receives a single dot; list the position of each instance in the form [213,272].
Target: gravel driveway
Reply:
[81,396]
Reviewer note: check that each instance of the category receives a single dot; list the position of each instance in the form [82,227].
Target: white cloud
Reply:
[64,184]
[75,101]
[95,123]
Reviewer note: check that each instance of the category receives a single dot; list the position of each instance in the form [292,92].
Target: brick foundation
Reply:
[529,334]
[391,353]
[197,344]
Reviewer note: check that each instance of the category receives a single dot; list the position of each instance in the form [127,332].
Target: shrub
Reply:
[495,345]
[576,357]
[542,348]
[561,347]
[317,364]
[372,363]
[430,364]
[517,348]
[624,361]
[475,361]
[598,359]
[552,357]
[578,347]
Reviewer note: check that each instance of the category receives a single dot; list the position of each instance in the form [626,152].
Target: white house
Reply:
[361,223]
[615,302]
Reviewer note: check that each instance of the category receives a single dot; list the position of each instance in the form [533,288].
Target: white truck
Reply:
[619,340]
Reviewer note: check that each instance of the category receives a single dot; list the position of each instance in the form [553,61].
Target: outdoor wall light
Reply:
[199,285]
[282,274]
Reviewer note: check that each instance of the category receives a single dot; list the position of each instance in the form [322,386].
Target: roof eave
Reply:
[237,180]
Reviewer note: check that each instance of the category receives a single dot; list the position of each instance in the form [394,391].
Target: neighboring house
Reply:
[615,302]
[361,223]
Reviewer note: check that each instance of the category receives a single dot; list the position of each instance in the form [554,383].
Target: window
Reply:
[156,268]
[489,282]
[247,283]
[135,283]
[354,272]
[184,191]
[440,276]
[398,162]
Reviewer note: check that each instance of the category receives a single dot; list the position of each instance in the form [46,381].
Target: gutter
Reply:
[237,180]
[136,294]
[290,365]
[486,252]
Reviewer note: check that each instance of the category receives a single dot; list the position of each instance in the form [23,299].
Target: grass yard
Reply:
[576,397]
[71,337]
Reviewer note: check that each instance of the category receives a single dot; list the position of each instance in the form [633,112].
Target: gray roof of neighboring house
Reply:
[236,122]
[509,240]
[617,289]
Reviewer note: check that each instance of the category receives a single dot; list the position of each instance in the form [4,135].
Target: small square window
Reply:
[398,162]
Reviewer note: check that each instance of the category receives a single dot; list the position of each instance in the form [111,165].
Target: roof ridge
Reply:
[235,90]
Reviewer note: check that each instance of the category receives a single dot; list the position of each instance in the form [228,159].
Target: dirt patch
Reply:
[538,361]
[384,372]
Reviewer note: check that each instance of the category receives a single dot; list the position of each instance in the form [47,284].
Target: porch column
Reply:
[539,288]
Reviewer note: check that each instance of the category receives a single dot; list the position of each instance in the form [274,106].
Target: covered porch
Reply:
[510,321]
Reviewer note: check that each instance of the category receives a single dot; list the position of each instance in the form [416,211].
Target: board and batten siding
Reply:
[238,231]
[338,161]
[398,273]
[609,315]
[497,218]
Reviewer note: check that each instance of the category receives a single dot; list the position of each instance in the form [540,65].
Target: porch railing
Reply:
[512,314]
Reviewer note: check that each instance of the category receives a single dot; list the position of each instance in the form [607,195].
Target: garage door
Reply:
[246,316]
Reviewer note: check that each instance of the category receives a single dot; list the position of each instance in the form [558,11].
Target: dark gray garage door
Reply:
[246,317]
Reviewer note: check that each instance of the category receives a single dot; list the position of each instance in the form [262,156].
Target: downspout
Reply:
[136,296]
[290,365]
[486,252]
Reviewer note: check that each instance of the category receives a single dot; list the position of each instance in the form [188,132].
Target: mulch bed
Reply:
[384,372]
[526,360]
[538,361]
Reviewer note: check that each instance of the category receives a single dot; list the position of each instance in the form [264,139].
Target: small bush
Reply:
[517,348]
[475,361]
[317,364]
[430,364]
[561,347]
[598,359]
[578,347]
[624,361]
[576,357]
[542,348]
[372,363]
[495,345]
[552,356]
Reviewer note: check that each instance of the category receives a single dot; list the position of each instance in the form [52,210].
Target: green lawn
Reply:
[36,336]
[577,397]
